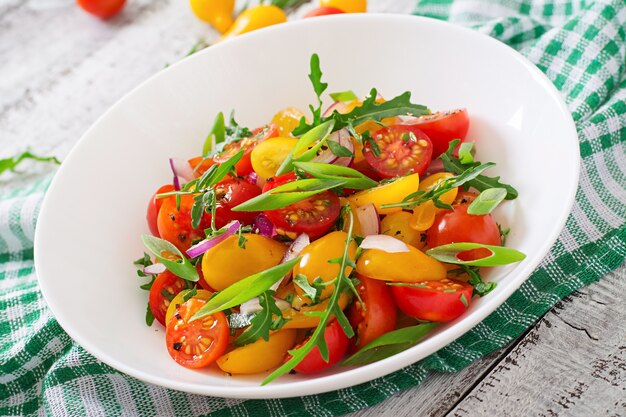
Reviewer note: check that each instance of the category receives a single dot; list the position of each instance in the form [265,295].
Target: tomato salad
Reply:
[342,238]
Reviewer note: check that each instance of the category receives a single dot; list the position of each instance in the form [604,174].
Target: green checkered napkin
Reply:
[580,45]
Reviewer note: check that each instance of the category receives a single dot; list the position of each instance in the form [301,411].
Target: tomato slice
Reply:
[403,150]
[457,225]
[175,225]
[198,343]
[337,343]
[154,206]
[164,288]
[437,301]
[443,127]
[379,315]
[230,193]
[314,216]
[244,166]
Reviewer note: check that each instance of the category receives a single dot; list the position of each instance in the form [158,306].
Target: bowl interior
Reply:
[89,228]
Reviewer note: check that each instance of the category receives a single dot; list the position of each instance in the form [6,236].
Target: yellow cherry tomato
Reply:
[387,193]
[178,300]
[315,257]
[424,214]
[267,156]
[397,225]
[218,13]
[227,263]
[254,18]
[412,266]
[259,356]
[356,224]
[348,6]
[287,120]
[297,316]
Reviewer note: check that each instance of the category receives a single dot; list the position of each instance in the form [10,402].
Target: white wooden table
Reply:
[60,69]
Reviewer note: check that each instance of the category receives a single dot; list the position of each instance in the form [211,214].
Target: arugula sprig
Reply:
[480,182]
[145,261]
[268,319]
[481,288]
[333,309]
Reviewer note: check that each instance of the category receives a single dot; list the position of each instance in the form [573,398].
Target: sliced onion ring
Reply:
[368,219]
[154,269]
[342,137]
[301,242]
[385,243]
[201,247]
[338,106]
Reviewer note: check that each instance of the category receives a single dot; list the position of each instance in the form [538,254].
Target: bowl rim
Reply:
[357,375]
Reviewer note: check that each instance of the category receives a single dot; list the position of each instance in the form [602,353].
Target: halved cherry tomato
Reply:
[268,156]
[437,301]
[230,193]
[154,206]
[175,225]
[244,166]
[323,11]
[102,8]
[313,216]
[386,194]
[200,165]
[198,343]
[443,127]
[165,283]
[179,300]
[337,343]
[402,150]
[458,226]
[379,315]
[398,225]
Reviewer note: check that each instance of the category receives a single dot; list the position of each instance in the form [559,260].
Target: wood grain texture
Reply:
[60,69]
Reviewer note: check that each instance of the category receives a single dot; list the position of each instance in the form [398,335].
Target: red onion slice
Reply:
[301,242]
[253,306]
[338,106]
[182,172]
[201,247]
[154,269]
[252,178]
[264,226]
[342,137]
[385,243]
[368,219]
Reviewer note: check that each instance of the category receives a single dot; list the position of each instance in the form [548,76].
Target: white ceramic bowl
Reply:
[89,227]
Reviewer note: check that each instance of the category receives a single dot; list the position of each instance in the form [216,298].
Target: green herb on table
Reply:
[9,164]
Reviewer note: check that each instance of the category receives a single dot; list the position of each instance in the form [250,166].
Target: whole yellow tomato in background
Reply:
[218,13]
[348,6]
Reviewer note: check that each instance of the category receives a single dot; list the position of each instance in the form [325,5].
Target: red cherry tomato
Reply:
[323,11]
[244,166]
[154,206]
[437,301]
[457,225]
[175,225]
[230,193]
[379,316]
[313,216]
[101,8]
[337,343]
[443,127]
[403,150]
[200,165]
[196,344]
[165,283]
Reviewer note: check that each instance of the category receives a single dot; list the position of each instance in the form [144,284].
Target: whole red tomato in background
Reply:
[102,8]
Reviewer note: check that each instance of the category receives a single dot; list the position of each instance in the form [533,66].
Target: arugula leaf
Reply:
[245,289]
[313,290]
[352,178]
[338,149]
[481,182]
[366,137]
[317,338]
[481,288]
[369,110]
[343,96]
[182,267]
[262,322]
[500,255]
[234,131]
[389,344]
[318,86]
[287,194]
[486,201]
[149,316]
[143,261]
[216,135]
[12,163]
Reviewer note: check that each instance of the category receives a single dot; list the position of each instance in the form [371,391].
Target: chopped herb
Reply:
[504,233]
[481,288]
[338,149]
[149,316]
[486,201]
[190,293]
[464,300]
[367,138]
[343,96]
